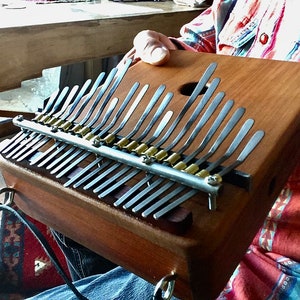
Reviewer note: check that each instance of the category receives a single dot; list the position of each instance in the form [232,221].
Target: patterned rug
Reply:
[25,269]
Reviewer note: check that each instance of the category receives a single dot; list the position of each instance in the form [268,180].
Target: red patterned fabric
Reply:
[24,266]
[270,269]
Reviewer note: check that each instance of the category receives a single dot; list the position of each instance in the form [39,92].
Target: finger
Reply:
[153,47]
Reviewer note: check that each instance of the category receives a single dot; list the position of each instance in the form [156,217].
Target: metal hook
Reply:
[8,196]
[164,288]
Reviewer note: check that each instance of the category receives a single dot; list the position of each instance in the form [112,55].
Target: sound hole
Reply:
[188,88]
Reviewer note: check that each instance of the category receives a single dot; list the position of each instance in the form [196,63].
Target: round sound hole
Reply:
[188,88]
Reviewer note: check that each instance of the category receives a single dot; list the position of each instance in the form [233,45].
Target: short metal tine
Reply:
[23,136]
[146,112]
[125,119]
[152,197]
[78,181]
[106,129]
[207,114]
[33,149]
[132,190]
[250,146]
[118,183]
[224,133]
[198,110]
[73,164]
[175,203]
[137,198]
[138,125]
[233,146]
[58,149]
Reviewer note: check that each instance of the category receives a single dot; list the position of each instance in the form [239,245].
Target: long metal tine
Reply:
[233,146]
[199,87]
[138,125]
[90,95]
[219,140]
[67,157]
[196,130]
[85,154]
[203,120]
[224,112]
[104,131]
[159,129]
[250,146]
[132,108]
[120,75]
[23,135]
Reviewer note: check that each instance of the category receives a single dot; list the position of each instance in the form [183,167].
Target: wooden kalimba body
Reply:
[180,183]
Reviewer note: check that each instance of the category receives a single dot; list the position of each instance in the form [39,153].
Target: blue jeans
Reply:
[81,261]
[110,283]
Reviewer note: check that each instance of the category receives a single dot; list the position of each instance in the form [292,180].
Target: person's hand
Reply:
[151,47]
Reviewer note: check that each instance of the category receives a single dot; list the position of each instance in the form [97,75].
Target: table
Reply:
[40,36]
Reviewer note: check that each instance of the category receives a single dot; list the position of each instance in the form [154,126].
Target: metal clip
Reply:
[164,288]
[9,194]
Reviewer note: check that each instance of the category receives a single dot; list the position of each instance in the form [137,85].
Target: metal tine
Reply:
[104,131]
[56,105]
[87,97]
[108,81]
[56,115]
[219,140]
[120,182]
[206,116]
[53,164]
[192,119]
[199,87]
[107,98]
[233,146]
[197,112]
[41,139]
[68,159]
[22,135]
[250,146]
[216,124]
[138,125]
[28,139]
[224,133]
[86,153]
[154,119]
[175,203]
[52,148]
[66,114]
[122,124]
[227,129]
[76,101]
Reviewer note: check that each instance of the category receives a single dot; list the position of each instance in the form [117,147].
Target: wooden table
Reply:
[40,36]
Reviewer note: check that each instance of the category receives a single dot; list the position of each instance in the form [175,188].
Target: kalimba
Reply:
[162,170]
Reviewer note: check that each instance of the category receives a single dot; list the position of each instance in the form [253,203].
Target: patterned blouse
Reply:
[252,28]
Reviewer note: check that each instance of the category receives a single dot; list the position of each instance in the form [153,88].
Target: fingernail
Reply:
[158,54]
